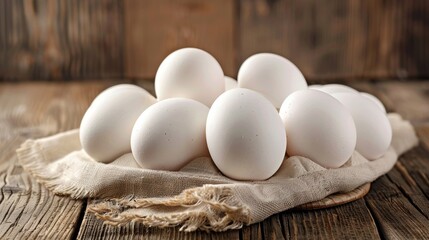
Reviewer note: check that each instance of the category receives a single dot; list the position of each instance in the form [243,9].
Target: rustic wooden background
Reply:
[113,39]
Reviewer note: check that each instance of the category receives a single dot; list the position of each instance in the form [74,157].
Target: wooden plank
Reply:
[253,231]
[410,177]
[93,228]
[423,133]
[346,221]
[48,39]
[404,191]
[153,29]
[417,167]
[28,210]
[340,40]
[270,228]
[349,221]
[311,34]
[395,215]
[293,225]
[410,99]
[414,33]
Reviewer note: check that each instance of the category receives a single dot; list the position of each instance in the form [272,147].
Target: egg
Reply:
[190,73]
[245,135]
[374,132]
[169,134]
[375,100]
[272,75]
[318,127]
[335,88]
[106,127]
[230,83]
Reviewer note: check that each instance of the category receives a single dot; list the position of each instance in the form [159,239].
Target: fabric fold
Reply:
[198,196]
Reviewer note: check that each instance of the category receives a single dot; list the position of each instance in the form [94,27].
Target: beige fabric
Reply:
[198,196]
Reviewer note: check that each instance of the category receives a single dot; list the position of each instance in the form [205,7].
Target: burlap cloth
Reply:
[198,196]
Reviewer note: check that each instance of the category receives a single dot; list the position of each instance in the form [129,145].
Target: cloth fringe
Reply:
[208,208]
[28,155]
[219,206]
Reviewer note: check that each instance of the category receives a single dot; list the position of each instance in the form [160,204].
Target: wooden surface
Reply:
[156,28]
[49,39]
[105,39]
[397,206]
[341,39]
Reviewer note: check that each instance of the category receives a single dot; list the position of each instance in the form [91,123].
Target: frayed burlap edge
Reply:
[208,208]
[28,153]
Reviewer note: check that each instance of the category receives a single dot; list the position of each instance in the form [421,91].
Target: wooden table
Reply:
[397,207]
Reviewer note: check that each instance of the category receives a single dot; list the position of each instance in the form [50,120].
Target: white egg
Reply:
[374,132]
[245,135]
[272,75]
[318,127]
[375,99]
[190,73]
[335,88]
[119,90]
[169,134]
[230,83]
[106,127]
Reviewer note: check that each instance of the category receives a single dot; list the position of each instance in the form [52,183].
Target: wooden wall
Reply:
[107,39]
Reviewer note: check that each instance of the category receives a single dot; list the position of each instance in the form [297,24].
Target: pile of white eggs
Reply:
[200,112]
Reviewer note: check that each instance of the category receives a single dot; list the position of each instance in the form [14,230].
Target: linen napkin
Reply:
[198,196]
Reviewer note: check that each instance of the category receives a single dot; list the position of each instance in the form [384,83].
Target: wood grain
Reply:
[153,29]
[333,223]
[392,212]
[105,39]
[28,210]
[404,191]
[395,208]
[410,177]
[311,34]
[93,228]
[48,39]
[270,228]
[423,133]
[410,100]
[341,222]
[341,40]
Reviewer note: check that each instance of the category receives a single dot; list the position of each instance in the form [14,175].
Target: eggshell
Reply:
[120,89]
[105,129]
[230,83]
[335,88]
[272,75]
[375,100]
[374,132]
[318,127]
[169,134]
[190,73]
[245,135]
